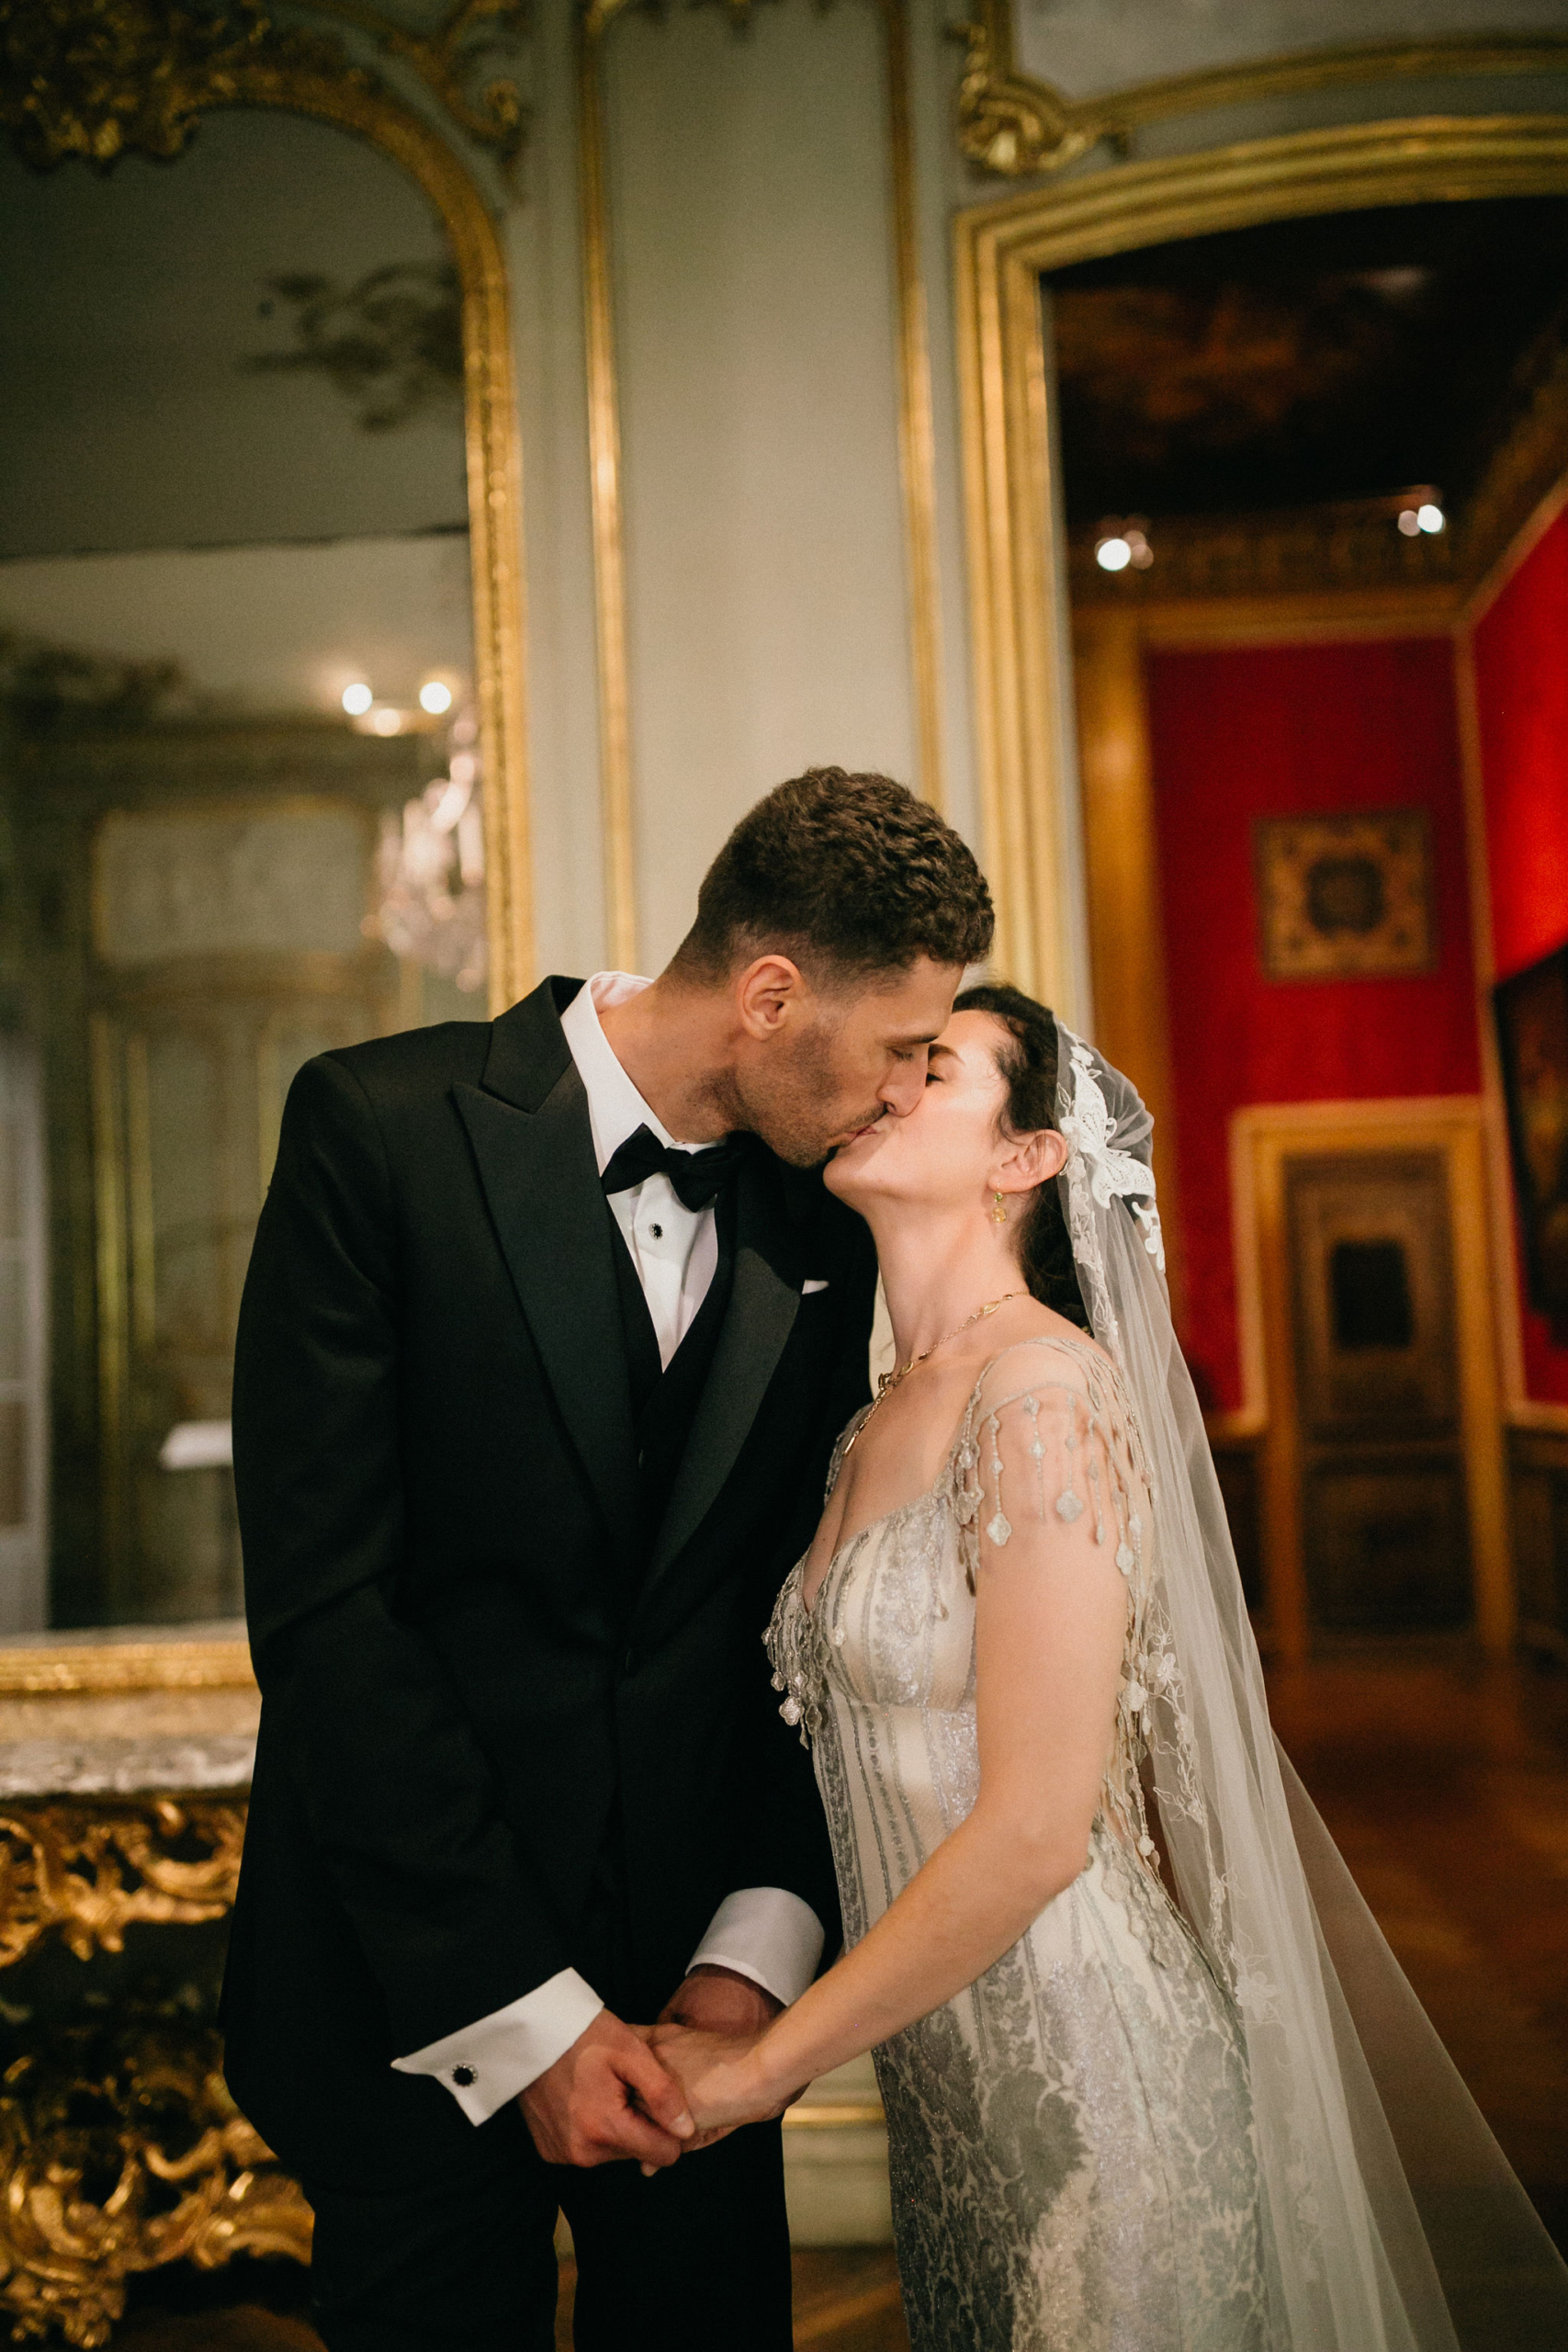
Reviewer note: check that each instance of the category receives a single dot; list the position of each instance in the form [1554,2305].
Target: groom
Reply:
[549,1328]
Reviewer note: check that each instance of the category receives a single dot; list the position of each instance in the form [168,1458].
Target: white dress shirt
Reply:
[762,1932]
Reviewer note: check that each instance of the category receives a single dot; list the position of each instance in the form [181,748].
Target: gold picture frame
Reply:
[1345,894]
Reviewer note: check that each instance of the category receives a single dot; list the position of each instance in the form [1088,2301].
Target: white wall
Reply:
[754,292]
[542,233]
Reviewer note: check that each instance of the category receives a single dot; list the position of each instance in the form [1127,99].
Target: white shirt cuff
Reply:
[767,1934]
[489,2062]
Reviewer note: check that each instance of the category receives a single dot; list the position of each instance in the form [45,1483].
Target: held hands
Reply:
[606,2097]
[718,2006]
[724,2076]
[610,2096]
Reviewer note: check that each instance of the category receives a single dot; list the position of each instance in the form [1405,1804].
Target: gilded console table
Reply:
[124,1767]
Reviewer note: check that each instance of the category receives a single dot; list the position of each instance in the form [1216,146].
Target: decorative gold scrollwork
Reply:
[85,1873]
[1010,123]
[1013,124]
[105,78]
[121,2150]
[445,60]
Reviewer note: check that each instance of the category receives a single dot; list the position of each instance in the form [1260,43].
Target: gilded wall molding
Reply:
[134,76]
[916,442]
[1017,622]
[448,61]
[1014,125]
[98,79]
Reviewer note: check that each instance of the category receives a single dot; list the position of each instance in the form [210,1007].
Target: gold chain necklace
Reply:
[889,1381]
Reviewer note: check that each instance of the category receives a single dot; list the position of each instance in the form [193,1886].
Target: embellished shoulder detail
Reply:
[1050,1438]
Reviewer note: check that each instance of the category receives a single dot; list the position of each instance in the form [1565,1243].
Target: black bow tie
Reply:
[698,1176]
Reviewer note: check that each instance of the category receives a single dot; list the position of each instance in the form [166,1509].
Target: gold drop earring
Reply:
[999,1209]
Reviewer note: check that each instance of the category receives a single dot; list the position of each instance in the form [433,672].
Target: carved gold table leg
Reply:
[122,2150]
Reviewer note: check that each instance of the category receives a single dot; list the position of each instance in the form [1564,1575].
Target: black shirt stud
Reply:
[465,2075]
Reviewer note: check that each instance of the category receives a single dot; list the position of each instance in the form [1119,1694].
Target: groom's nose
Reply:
[904,1085]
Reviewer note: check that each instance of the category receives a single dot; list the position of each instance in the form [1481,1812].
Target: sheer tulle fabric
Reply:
[1392,2221]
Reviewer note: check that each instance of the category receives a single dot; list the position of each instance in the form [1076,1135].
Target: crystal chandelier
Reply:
[430,870]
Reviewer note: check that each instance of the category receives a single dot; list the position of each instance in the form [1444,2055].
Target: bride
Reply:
[1152,2078]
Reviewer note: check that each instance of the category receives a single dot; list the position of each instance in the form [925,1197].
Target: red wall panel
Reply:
[1278,731]
[1521,697]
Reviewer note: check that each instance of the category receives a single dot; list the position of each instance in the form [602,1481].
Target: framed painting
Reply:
[1532,1039]
[1344,895]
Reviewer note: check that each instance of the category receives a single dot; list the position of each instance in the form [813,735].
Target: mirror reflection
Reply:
[238,786]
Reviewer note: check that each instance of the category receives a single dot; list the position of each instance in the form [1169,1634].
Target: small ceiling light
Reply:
[434,697]
[1112,554]
[1409,522]
[358,699]
[1429,517]
[387,721]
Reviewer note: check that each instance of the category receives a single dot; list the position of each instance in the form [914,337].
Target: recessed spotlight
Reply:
[387,721]
[1409,522]
[1112,554]
[1429,517]
[358,699]
[434,697]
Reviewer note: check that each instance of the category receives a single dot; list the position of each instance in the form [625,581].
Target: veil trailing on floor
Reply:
[1392,2221]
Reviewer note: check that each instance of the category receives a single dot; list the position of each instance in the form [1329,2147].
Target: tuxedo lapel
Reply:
[528,1125]
[763,1301]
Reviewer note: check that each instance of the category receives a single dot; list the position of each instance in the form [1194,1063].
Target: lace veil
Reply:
[1392,2221]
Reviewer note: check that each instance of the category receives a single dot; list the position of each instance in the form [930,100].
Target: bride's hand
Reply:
[723,2077]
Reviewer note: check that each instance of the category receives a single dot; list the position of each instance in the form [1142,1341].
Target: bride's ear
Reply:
[1032,1161]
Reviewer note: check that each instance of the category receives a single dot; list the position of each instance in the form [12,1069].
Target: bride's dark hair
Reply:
[1028,1065]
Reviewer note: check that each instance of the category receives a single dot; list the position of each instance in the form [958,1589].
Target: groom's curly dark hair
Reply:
[846,871]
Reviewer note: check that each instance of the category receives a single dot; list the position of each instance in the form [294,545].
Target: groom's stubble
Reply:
[799,1102]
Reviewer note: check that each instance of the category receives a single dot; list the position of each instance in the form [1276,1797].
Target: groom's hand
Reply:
[717,2000]
[606,2097]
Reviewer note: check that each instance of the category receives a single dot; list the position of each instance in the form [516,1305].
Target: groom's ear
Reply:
[767,993]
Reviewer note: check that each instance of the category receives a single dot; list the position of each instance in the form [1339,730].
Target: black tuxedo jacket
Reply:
[489,1689]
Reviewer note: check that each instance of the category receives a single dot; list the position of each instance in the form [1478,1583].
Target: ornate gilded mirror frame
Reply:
[97,79]
[1023,676]
[96,82]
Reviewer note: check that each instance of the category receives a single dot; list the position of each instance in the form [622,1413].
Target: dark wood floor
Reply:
[1446,1784]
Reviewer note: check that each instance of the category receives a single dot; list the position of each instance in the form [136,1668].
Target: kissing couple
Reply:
[555,1336]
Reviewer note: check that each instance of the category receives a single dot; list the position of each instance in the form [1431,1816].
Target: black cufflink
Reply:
[464,2075]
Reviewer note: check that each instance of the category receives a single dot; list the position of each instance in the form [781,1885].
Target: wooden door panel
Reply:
[1384,1532]
[1373,1279]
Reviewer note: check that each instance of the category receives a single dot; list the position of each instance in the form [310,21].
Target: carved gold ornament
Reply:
[85,1873]
[120,2150]
[105,78]
[446,59]
[1013,124]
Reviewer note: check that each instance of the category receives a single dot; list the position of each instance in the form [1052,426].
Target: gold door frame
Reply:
[1017,569]
[149,99]
[916,449]
[1264,1139]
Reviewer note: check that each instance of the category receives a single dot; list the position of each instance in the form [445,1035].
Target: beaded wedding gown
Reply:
[1070,2139]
